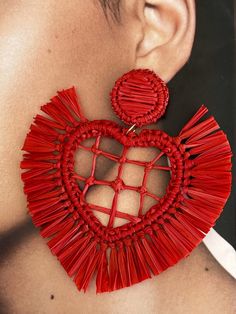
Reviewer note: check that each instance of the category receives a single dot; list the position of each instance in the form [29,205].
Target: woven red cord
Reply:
[139,97]
[97,129]
[118,184]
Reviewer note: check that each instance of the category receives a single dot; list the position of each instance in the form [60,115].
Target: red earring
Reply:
[200,183]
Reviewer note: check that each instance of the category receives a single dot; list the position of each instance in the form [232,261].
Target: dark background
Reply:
[209,78]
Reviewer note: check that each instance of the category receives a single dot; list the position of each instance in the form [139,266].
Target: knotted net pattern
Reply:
[118,184]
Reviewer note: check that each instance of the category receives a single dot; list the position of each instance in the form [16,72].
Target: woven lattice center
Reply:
[119,183]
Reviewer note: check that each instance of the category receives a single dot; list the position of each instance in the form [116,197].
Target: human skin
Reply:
[52,45]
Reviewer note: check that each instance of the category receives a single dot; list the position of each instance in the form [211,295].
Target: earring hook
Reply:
[131,128]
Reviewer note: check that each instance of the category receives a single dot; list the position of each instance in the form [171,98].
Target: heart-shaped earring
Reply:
[200,183]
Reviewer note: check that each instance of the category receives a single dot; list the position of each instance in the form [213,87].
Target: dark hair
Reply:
[113,6]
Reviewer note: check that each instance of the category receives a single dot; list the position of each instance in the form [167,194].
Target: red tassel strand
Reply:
[102,279]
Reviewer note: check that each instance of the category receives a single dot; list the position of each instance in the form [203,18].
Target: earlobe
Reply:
[169,27]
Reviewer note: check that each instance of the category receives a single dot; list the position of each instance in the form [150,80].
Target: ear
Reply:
[168,34]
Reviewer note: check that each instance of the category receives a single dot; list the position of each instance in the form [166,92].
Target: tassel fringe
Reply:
[205,187]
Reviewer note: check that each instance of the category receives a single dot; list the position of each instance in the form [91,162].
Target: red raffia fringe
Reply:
[170,232]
